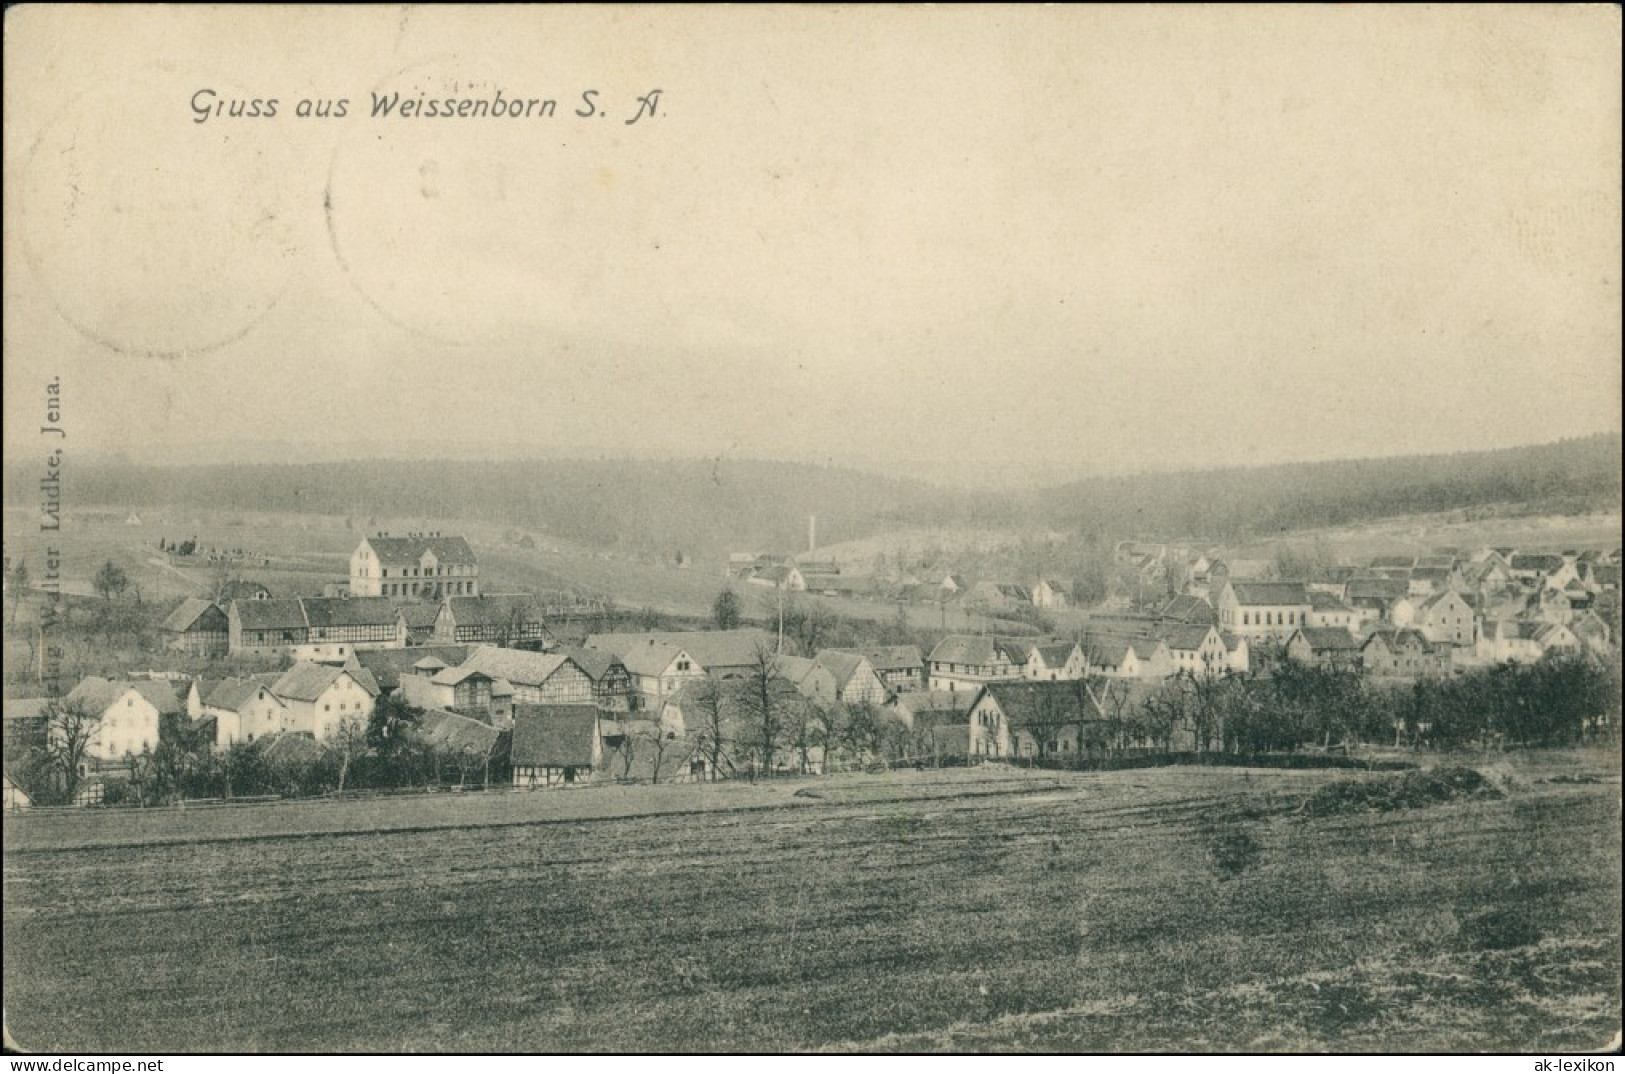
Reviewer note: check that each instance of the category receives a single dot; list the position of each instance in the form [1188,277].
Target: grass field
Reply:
[970,910]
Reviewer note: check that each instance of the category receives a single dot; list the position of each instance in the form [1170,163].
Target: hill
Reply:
[706,508]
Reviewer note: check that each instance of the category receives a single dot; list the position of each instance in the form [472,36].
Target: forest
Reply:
[709,507]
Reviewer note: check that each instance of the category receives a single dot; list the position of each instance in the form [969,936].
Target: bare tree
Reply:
[349,742]
[654,744]
[763,709]
[70,728]
[713,738]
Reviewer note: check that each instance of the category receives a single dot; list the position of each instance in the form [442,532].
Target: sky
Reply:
[1057,241]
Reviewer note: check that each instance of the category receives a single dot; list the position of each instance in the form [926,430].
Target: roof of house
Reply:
[455,734]
[1536,562]
[597,663]
[1329,639]
[496,611]
[233,694]
[1436,575]
[1405,562]
[1435,599]
[1448,562]
[516,665]
[1325,602]
[978,649]
[1270,594]
[1396,638]
[97,694]
[1185,638]
[553,736]
[25,708]
[388,665]
[652,658]
[190,611]
[919,704]
[843,666]
[289,748]
[712,649]
[1188,610]
[407,551]
[282,614]
[1055,654]
[1026,701]
[1376,589]
[322,612]
[419,614]
[306,681]
[890,657]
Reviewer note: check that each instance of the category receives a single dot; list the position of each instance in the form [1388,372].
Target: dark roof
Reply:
[1542,563]
[554,736]
[1270,593]
[1028,701]
[1398,638]
[1329,639]
[843,666]
[891,657]
[597,663]
[496,611]
[1055,654]
[1325,602]
[388,665]
[455,734]
[419,614]
[270,614]
[921,705]
[408,551]
[1406,562]
[1376,588]
[348,611]
[1189,610]
[1187,638]
[977,649]
[713,649]
[191,610]
[289,748]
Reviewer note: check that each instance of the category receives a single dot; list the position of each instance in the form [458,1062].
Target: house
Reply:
[965,662]
[265,627]
[313,628]
[337,628]
[1127,657]
[239,589]
[1189,611]
[1444,618]
[1604,577]
[724,654]
[1524,641]
[1024,719]
[198,628]
[856,680]
[516,619]
[1258,610]
[244,710]
[929,708]
[1331,580]
[25,723]
[128,715]
[1326,610]
[812,679]
[657,671]
[1488,575]
[900,667]
[612,686]
[997,595]
[463,690]
[472,743]
[419,618]
[1196,648]
[1403,653]
[715,717]
[1052,593]
[1425,581]
[389,666]
[1327,647]
[320,699]
[785,576]
[1590,629]
[1240,652]
[418,566]
[1055,661]
[1376,596]
[536,678]
[1393,563]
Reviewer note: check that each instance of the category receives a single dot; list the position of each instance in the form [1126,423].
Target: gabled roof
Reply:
[1376,589]
[1055,654]
[921,705]
[1330,639]
[25,708]
[554,736]
[418,614]
[1399,638]
[233,694]
[890,657]
[516,665]
[408,551]
[306,681]
[455,734]
[1325,602]
[595,663]
[1027,701]
[289,748]
[1270,594]
[1436,575]
[388,665]
[324,612]
[270,614]
[843,666]
[652,658]
[486,611]
[1188,610]
[190,611]
[1404,562]
[711,649]
[1187,638]
[1436,599]
[978,649]
[1544,564]
[97,694]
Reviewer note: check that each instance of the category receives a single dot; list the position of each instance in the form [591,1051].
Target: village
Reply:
[410,672]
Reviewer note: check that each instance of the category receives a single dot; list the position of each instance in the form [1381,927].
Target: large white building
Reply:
[426,566]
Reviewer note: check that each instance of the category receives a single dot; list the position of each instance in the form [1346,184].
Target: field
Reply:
[970,910]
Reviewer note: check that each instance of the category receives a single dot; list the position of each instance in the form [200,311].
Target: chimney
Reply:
[812,533]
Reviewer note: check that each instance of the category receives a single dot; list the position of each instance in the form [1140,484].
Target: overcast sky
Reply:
[1089,239]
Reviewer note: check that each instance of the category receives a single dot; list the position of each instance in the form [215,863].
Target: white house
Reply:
[1264,609]
[318,699]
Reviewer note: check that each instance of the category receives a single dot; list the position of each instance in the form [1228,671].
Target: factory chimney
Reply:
[812,533]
